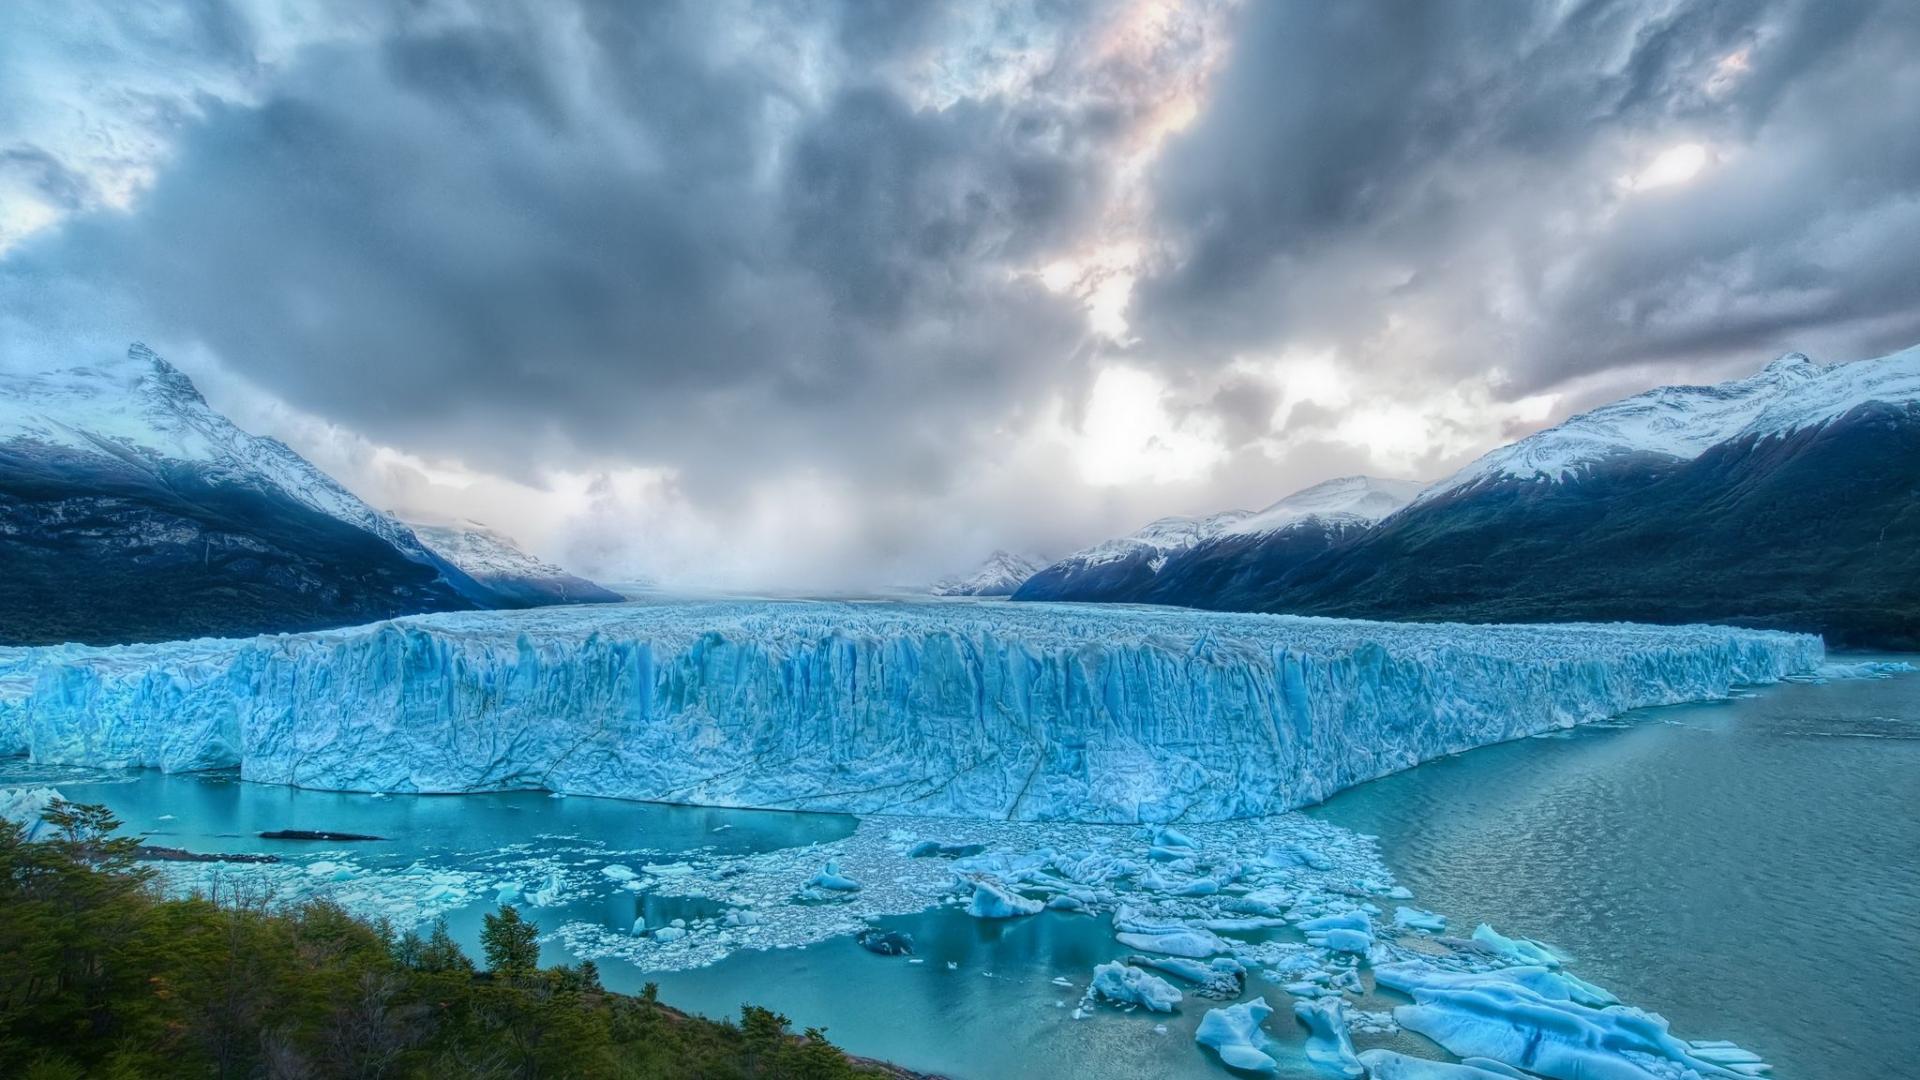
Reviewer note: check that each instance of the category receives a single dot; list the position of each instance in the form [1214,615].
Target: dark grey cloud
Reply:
[1457,162]
[799,237]
[485,240]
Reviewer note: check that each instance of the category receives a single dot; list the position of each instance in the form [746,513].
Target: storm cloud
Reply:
[844,292]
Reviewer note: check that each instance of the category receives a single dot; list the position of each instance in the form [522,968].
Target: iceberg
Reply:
[991,901]
[1413,918]
[982,710]
[1223,978]
[832,879]
[1125,985]
[1193,944]
[1518,950]
[1349,932]
[1385,1064]
[23,807]
[1533,1019]
[1234,1033]
[1328,1044]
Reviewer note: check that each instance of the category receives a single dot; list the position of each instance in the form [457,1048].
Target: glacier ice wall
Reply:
[1031,711]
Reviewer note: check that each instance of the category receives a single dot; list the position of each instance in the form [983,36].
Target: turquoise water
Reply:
[1750,869]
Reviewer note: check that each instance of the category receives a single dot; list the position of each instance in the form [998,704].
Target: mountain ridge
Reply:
[1748,503]
[131,510]
[1129,568]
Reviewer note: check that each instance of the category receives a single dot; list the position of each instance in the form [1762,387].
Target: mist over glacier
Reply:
[947,709]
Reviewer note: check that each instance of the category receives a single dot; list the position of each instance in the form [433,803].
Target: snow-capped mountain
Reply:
[1682,422]
[999,575]
[146,413]
[1131,567]
[1345,500]
[1787,499]
[130,509]
[494,560]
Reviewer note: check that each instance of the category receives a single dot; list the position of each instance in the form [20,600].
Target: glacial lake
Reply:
[1750,869]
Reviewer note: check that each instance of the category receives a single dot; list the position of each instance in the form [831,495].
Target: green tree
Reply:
[510,942]
[102,976]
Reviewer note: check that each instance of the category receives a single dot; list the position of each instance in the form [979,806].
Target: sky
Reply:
[822,294]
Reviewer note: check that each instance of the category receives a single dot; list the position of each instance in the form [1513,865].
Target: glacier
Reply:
[1093,713]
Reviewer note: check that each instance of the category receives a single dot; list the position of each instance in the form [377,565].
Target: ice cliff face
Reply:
[1005,711]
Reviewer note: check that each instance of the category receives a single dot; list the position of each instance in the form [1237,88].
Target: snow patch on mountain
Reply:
[493,559]
[1157,540]
[1346,500]
[482,551]
[142,411]
[1682,422]
[1001,574]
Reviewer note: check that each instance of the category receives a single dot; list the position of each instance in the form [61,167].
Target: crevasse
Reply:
[1029,711]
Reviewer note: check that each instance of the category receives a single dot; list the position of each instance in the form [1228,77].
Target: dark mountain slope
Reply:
[1814,530]
[103,551]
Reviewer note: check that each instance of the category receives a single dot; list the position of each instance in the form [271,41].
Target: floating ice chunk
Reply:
[1386,1065]
[508,892]
[669,934]
[741,918]
[1198,944]
[1721,1052]
[1348,932]
[1355,942]
[1240,926]
[1172,838]
[1124,985]
[1413,918]
[1345,920]
[550,893]
[1223,978]
[1531,1018]
[1328,1044]
[618,872]
[1866,669]
[1520,950]
[928,849]
[1285,855]
[1006,867]
[23,806]
[1234,1033]
[991,901]
[830,877]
